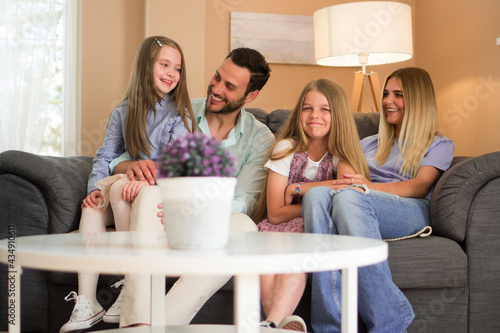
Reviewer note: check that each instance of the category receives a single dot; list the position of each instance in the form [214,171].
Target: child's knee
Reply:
[115,191]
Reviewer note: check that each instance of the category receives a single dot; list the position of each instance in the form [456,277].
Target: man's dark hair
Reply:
[255,63]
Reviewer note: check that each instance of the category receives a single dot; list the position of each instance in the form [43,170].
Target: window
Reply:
[38,76]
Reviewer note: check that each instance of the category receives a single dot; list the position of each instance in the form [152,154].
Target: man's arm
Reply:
[252,176]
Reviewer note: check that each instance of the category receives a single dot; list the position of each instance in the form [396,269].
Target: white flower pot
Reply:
[197,211]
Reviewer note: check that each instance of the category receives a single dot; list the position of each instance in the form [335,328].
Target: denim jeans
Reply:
[382,306]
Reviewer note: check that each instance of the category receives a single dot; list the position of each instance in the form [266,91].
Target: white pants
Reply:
[189,293]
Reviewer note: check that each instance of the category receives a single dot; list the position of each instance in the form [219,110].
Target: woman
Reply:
[405,160]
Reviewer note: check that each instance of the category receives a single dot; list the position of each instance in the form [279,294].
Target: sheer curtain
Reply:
[71,106]
[32,75]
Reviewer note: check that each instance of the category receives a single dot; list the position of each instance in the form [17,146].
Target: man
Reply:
[236,82]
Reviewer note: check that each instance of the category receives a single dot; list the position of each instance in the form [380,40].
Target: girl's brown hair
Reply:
[142,95]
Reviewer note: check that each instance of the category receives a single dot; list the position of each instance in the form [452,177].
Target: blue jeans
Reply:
[382,306]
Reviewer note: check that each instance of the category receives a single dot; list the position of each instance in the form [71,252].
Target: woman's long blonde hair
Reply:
[343,140]
[142,95]
[420,121]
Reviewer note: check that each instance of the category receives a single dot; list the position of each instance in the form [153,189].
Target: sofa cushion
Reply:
[61,180]
[22,205]
[277,118]
[259,114]
[366,123]
[427,263]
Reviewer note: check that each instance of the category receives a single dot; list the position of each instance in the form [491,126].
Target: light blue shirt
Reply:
[162,128]
[439,155]
[248,141]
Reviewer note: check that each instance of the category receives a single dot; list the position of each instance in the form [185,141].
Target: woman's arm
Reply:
[417,187]
[342,169]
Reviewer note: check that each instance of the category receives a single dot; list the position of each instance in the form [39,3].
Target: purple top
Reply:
[438,155]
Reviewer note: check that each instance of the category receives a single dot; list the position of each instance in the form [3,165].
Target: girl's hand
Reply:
[131,189]
[92,199]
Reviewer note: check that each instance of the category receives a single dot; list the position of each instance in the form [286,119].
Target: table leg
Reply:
[158,300]
[14,298]
[247,303]
[349,300]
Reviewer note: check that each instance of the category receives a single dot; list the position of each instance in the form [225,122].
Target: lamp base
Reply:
[357,90]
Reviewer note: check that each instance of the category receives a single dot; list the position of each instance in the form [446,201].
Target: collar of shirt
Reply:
[235,134]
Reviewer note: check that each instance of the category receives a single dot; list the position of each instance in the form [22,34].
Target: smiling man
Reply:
[222,115]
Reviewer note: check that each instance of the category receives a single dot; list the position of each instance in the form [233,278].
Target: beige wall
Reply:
[111,33]
[456,43]
[449,42]
[186,25]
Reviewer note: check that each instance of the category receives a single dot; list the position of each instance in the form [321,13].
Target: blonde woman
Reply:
[405,160]
[317,144]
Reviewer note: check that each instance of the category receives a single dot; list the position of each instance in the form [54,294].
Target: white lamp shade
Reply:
[363,33]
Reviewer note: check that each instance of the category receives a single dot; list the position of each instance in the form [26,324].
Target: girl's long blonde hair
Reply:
[420,121]
[343,140]
[142,95]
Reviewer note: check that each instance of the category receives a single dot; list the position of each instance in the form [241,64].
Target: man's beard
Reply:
[230,107]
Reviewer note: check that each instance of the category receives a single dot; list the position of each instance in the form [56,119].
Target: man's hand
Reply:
[131,189]
[160,213]
[92,199]
[143,170]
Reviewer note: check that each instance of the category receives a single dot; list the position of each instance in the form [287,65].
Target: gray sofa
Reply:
[451,278]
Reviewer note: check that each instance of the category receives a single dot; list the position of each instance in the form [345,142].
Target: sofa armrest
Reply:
[465,207]
[61,181]
[455,197]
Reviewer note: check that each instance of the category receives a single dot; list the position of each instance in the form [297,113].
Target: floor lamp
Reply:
[361,34]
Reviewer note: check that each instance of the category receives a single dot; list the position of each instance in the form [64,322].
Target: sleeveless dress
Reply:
[297,168]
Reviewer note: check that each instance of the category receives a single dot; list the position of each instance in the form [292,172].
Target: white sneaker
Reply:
[114,312]
[85,313]
[293,323]
[267,323]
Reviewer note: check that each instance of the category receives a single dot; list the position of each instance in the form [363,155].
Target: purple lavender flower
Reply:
[196,154]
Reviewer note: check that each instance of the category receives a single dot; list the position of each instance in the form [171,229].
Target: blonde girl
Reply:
[155,110]
[317,144]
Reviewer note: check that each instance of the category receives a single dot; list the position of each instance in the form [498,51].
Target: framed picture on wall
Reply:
[285,39]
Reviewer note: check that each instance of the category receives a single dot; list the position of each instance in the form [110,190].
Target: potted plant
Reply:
[196,179]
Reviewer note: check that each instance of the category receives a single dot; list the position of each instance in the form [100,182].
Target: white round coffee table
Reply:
[190,329]
[246,256]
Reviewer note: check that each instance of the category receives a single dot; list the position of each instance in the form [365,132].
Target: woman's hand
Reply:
[352,179]
[92,199]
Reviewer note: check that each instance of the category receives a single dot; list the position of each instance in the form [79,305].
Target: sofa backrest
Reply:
[366,123]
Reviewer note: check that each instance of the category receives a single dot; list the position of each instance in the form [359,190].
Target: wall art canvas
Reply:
[285,39]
